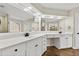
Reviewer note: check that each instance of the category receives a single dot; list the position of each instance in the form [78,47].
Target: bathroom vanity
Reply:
[33,45]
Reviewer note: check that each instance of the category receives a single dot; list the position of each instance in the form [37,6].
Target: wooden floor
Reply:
[52,51]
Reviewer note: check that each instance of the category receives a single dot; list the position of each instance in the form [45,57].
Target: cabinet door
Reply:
[20,50]
[31,48]
[44,44]
[41,46]
[17,50]
[69,40]
[35,47]
[8,52]
[66,41]
[63,42]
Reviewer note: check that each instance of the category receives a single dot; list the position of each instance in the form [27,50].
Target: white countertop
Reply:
[21,38]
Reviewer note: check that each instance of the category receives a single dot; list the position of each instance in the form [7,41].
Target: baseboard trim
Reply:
[60,48]
[44,53]
[75,48]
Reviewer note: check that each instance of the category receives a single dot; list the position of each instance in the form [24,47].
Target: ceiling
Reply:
[14,12]
[56,8]
[53,18]
[60,6]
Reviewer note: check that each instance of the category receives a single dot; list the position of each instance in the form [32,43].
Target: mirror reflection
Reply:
[16,20]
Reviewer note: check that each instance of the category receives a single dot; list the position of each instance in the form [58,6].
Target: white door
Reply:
[76,34]
[76,37]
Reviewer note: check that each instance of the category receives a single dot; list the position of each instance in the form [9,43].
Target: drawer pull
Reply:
[16,50]
[77,33]
[36,45]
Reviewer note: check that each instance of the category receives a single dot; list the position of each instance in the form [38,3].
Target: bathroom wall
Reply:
[15,25]
[66,25]
[30,25]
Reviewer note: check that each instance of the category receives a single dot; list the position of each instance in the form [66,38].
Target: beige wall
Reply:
[4,24]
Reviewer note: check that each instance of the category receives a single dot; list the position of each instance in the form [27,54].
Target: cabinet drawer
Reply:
[31,47]
[17,50]
[36,47]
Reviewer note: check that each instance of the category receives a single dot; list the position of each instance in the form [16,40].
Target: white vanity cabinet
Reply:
[65,41]
[17,50]
[30,48]
[35,47]
[44,44]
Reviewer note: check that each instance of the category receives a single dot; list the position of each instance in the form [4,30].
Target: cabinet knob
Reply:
[16,50]
[36,45]
[77,33]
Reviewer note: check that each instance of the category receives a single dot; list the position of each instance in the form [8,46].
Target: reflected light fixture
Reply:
[27,9]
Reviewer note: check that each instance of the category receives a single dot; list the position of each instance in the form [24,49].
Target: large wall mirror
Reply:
[49,25]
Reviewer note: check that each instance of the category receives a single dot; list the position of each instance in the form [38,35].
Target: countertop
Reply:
[4,43]
[17,40]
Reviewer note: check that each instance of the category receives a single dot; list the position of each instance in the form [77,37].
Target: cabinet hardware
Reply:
[77,33]
[16,50]
[36,45]
[26,34]
[60,32]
